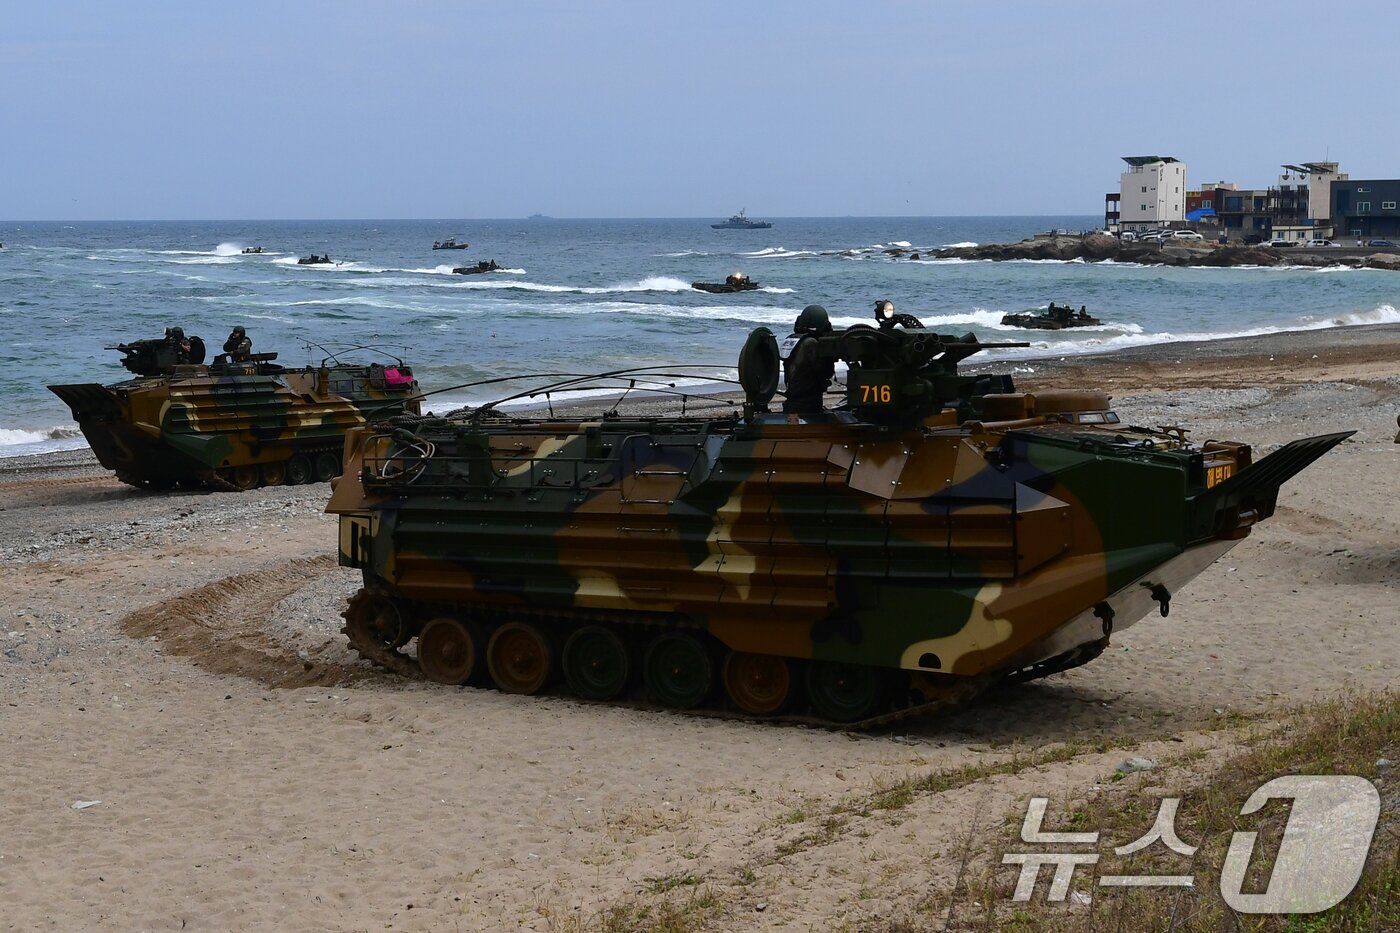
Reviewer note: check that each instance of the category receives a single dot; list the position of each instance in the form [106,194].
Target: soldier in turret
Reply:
[238,346]
[175,336]
[806,374]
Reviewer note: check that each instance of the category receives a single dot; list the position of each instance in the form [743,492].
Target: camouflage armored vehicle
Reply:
[230,425]
[935,534]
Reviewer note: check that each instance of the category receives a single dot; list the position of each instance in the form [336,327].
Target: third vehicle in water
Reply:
[1055,317]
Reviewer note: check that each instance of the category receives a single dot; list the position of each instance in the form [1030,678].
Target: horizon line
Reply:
[705,218]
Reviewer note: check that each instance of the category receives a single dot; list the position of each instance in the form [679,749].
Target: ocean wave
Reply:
[655,283]
[10,436]
[22,442]
[683,253]
[963,245]
[779,252]
[203,261]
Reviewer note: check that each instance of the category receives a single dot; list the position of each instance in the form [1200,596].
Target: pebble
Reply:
[1136,764]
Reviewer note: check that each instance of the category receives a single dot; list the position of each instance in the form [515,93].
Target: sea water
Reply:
[581,296]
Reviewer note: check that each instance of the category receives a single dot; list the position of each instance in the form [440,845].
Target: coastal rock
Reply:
[1098,247]
[1382,261]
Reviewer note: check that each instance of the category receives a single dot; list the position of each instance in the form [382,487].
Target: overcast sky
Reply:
[313,109]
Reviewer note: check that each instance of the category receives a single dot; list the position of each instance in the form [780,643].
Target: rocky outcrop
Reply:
[1097,247]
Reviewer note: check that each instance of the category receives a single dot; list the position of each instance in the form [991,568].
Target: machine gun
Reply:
[895,377]
[156,357]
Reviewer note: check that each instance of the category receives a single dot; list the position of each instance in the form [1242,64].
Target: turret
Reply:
[895,376]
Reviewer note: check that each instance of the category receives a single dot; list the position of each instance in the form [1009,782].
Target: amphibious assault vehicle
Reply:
[736,282]
[935,534]
[230,425]
[1052,318]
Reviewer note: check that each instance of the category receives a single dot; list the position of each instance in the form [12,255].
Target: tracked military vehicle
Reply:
[936,533]
[230,425]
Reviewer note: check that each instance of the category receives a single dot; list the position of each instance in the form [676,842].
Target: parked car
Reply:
[1127,236]
[1311,244]
[1186,235]
[1379,243]
[1279,243]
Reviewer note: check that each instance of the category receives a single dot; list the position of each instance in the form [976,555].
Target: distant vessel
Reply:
[738,282]
[539,217]
[449,243]
[740,221]
[314,260]
[251,250]
[1053,318]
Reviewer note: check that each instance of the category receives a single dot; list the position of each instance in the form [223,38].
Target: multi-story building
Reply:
[1152,192]
[1203,204]
[1111,213]
[1366,208]
[1301,204]
[1244,212]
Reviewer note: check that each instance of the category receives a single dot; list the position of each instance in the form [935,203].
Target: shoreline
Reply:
[1364,351]
[1102,247]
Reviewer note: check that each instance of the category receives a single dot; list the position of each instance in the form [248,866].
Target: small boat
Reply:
[486,265]
[738,282]
[740,221]
[250,250]
[449,243]
[1056,317]
[314,260]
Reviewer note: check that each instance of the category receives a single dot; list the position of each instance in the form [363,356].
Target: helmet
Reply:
[238,329]
[812,320]
[177,332]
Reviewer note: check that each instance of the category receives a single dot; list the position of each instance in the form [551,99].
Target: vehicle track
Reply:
[218,626]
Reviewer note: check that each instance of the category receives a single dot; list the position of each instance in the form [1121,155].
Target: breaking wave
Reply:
[19,442]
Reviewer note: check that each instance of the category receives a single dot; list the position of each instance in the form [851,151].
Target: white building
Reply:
[1152,192]
[1317,177]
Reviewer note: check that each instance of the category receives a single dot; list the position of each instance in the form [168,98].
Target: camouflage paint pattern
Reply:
[196,423]
[942,547]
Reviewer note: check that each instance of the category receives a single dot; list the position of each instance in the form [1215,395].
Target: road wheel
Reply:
[678,671]
[447,652]
[382,621]
[759,684]
[327,466]
[596,663]
[520,658]
[243,477]
[299,470]
[844,693]
[274,473]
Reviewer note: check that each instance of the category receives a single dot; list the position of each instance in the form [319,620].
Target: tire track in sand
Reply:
[218,626]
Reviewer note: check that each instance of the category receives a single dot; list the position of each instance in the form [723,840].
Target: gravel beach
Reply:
[177,657]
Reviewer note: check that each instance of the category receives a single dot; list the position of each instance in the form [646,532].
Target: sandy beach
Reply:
[177,657]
